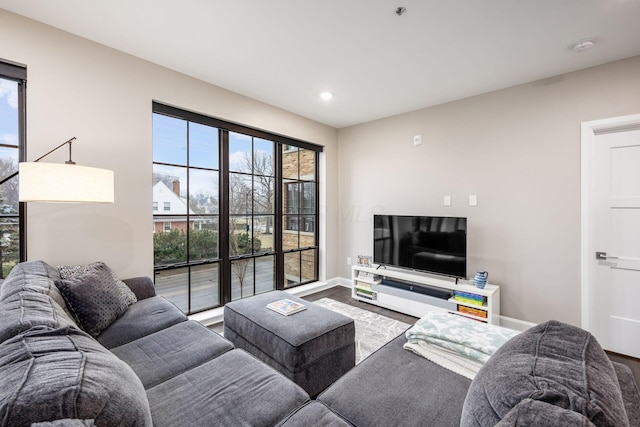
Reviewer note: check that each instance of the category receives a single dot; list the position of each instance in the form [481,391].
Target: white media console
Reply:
[416,294]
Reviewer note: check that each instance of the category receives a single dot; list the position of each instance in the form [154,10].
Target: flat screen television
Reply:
[432,244]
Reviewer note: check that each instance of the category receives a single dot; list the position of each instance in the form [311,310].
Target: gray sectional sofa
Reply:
[152,366]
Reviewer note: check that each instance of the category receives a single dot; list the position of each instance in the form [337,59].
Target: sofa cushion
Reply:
[69,271]
[93,298]
[23,311]
[314,414]
[169,352]
[33,276]
[141,319]
[394,384]
[64,373]
[555,363]
[233,389]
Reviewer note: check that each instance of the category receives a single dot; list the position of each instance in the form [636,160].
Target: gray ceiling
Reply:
[376,63]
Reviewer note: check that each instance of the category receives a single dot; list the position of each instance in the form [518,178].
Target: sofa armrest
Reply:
[143,287]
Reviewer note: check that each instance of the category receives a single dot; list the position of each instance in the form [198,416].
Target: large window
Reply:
[225,201]
[299,234]
[12,150]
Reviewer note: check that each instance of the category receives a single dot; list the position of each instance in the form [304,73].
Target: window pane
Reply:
[240,194]
[263,194]
[263,157]
[9,207]
[308,224]
[240,241]
[290,235]
[9,112]
[9,190]
[203,191]
[169,247]
[174,286]
[169,140]
[307,164]
[265,269]
[291,269]
[290,162]
[240,158]
[308,265]
[242,278]
[9,244]
[263,233]
[291,197]
[170,186]
[309,198]
[203,146]
[203,238]
[204,287]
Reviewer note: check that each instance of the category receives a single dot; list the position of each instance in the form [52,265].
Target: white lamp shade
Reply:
[56,182]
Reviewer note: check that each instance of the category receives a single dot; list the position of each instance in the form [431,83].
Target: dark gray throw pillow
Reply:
[93,298]
[69,271]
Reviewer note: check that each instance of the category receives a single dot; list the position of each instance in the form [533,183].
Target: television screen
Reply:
[433,244]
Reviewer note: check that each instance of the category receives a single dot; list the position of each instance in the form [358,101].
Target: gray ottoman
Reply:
[313,348]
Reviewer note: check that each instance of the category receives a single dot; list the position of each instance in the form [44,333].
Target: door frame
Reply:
[589,130]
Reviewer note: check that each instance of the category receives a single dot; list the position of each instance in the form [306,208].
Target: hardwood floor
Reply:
[342,294]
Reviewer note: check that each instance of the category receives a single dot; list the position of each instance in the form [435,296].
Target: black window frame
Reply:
[224,263]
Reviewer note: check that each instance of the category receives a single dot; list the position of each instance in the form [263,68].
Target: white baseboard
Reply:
[515,324]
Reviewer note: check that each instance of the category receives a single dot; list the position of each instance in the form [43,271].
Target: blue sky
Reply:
[170,144]
[9,112]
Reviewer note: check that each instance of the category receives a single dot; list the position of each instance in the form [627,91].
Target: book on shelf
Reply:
[470,298]
[286,307]
[366,275]
[363,285]
[473,311]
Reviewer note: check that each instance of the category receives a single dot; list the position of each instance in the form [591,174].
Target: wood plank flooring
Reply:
[342,294]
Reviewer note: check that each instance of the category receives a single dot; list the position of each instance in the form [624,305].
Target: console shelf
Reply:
[413,299]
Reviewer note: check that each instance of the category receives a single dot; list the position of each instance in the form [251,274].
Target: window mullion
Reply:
[223,234]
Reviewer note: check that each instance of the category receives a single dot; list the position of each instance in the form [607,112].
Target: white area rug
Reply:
[372,330]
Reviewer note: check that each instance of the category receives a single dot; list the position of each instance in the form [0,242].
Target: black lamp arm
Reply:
[69,162]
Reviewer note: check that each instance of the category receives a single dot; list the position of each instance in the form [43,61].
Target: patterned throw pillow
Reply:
[94,299]
[69,271]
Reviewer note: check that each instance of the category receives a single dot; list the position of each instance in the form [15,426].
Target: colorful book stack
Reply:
[472,311]
[470,298]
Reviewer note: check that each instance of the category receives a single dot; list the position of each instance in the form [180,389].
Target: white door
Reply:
[614,228]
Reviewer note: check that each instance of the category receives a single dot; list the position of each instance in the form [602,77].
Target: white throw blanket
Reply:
[457,343]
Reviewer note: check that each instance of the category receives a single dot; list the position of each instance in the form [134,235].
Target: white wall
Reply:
[518,150]
[103,97]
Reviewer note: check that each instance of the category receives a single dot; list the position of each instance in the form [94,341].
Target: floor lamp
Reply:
[63,183]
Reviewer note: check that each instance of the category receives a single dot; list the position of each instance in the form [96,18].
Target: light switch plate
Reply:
[447,200]
[473,200]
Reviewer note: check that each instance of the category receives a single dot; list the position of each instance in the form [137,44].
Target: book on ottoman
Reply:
[286,307]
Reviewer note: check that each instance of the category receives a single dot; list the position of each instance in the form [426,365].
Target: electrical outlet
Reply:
[348,260]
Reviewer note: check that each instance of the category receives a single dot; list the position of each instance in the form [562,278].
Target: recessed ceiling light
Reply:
[326,96]
[583,45]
